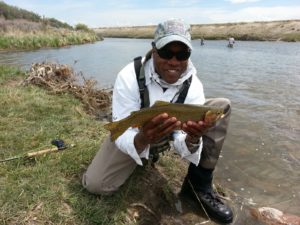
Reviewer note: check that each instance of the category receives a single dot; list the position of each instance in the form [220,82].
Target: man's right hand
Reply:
[156,128]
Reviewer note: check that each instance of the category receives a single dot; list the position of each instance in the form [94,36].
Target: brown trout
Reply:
[183,113]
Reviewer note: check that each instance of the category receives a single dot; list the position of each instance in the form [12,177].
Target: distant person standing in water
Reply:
[231,41]
[202,41]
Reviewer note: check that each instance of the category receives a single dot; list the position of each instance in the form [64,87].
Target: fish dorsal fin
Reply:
[161,103]
[157,103]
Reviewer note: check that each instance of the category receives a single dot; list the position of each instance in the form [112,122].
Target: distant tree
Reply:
[58,24]
[81,26]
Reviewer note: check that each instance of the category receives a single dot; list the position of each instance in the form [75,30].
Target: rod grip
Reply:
[42,152]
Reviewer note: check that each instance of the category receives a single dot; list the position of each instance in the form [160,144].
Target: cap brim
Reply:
[166,40]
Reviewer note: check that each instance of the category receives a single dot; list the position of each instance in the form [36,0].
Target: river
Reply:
[261,156]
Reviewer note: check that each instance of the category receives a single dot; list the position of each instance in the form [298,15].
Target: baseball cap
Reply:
[172,30]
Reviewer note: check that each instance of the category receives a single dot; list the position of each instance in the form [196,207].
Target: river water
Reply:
[261,155]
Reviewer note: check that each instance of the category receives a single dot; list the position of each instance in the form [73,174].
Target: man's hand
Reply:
[195,130]
[158,127]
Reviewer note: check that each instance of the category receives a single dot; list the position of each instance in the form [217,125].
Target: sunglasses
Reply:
[165,53]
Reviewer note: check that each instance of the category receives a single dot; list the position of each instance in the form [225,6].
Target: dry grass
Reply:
[288,30]
[11,26]
[62,79]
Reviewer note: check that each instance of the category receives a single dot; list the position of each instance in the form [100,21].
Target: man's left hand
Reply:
[195,130]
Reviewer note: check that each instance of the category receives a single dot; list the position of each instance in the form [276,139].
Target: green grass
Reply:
[21,41]
[292,37]
[47,189]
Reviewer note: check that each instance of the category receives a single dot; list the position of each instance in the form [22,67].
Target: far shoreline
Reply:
[285,30]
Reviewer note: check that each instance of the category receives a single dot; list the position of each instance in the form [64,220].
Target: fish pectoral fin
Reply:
[210,117]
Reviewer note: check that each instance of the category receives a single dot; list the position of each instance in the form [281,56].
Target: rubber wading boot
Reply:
[212,204]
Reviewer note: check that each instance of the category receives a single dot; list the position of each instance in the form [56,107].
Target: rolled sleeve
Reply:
[125,100]
[126,144]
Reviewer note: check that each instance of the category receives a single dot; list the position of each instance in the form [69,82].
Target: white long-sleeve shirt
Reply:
[126,99]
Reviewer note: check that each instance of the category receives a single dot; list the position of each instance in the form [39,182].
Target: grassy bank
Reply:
[47,189]
[24,41]
[288,30]
[25,35]
[24,30]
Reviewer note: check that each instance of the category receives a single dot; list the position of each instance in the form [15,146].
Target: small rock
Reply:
[271,216]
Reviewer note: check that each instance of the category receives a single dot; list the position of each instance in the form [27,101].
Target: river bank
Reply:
[288,30]
[27,35]
[47,189]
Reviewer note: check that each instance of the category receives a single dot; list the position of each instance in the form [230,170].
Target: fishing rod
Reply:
[59,146]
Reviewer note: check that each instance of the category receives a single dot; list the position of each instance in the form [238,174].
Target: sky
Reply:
[111,13]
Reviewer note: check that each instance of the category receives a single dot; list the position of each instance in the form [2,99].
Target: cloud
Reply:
[113,13]
[259,14]
[242,1]
[192,15]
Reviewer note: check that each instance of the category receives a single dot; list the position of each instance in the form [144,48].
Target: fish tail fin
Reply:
[115,128]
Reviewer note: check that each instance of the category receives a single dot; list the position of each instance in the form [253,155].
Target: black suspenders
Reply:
[140,77]
[144,94]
